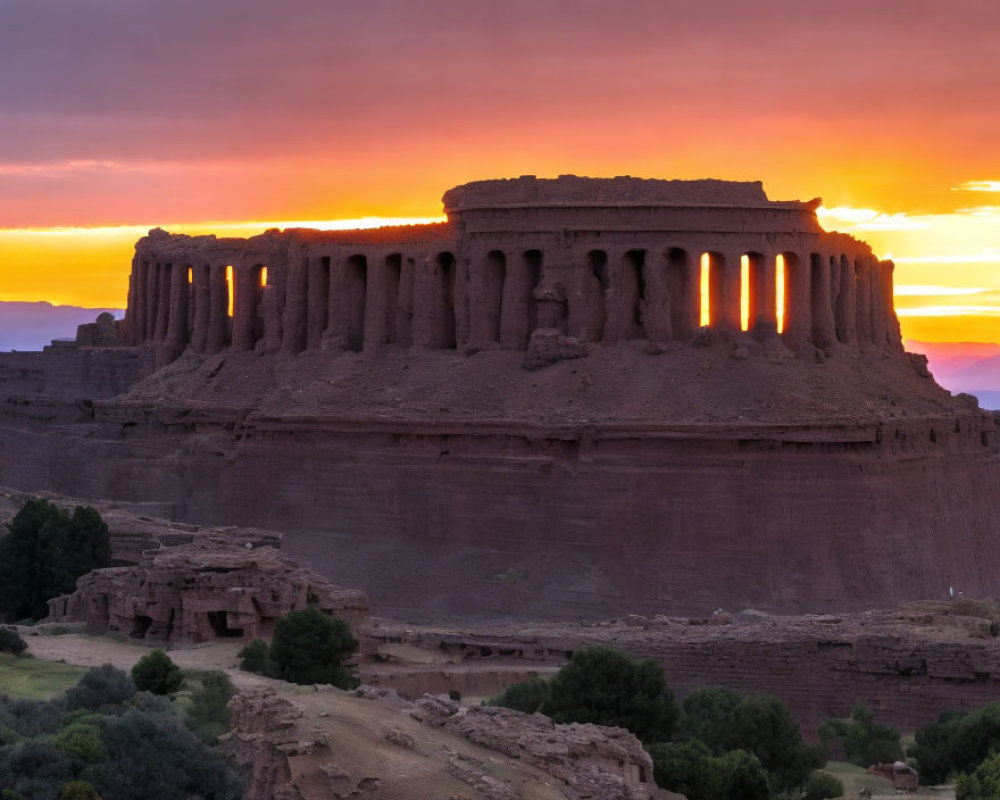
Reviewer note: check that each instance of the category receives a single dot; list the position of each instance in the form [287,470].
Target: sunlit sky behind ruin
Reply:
[238,115]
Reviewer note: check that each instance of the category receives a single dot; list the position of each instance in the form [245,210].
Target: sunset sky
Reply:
[236,115]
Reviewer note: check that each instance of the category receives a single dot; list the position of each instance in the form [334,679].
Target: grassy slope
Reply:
[28,678]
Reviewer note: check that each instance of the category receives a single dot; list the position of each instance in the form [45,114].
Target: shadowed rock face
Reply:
[200,591]
[369,399]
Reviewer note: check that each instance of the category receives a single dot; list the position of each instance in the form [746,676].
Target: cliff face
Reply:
[366,394]
[759,495]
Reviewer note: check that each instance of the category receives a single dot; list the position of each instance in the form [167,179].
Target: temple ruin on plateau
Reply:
[598,261]
[575,398]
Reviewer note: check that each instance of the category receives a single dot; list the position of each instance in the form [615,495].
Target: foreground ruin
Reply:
[520,412]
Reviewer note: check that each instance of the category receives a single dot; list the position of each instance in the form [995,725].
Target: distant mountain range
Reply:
[972,367]
[31,326]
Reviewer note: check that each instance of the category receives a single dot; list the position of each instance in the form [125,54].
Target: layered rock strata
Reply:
[906,665]
[367,398]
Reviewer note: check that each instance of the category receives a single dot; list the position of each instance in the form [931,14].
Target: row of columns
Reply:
[498,297]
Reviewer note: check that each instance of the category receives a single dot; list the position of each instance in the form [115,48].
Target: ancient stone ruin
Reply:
[207,589]
[543,265]
[718,409]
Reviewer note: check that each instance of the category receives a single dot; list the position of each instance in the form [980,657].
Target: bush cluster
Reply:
[156,673]
[957,742]
[105,740]
[44,552]
[208,716]
[11,641]
[864,743]
[822,785]
[308,647]
[721,746]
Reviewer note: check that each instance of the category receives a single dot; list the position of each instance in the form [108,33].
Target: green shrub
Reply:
[79,790]
[156,673]
[761,724]
[983,783]
[80,739]
[44,552]
[527,696]
[957,742]
[864,742]
[103,687]
[254,658]
[151,755]
[705,717]
[690,769]
[308,647]
[11,642]
[685,768]
[606,687]
[822,785]
[208,716]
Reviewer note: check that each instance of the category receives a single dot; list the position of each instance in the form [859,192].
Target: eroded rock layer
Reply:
[368,398]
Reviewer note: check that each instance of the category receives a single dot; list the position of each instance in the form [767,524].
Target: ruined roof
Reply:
[571,190]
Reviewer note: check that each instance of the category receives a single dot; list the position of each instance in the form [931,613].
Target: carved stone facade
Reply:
[585,259]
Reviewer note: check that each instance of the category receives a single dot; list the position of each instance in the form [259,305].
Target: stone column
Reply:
[152,283]
[162,302]
[877,302]
[862,300]
[798,299]
[296,315]
[177,327]
[488,276]
[136,327]
[319,300]
[272,303]
[200,293]
[337,305]
[245,279]
[891,337]
[847,315]
[763,295]
[724,308]
[375,300]
[404,302]
[655,306]
[823,328]
[218,309]
[515,307]
[460,299]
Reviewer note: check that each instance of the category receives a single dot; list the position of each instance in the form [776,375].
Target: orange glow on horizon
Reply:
[744,293]
[779,291]
[703,318]
[937,257]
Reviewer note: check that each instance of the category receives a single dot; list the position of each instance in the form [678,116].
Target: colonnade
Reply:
[353,299]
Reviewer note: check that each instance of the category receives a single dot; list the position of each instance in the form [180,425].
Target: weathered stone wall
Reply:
[593,260]
[906,665]
[566,522]
[65,371]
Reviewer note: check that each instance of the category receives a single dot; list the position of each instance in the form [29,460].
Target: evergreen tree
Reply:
[44,552]
[308,647]
[606,687]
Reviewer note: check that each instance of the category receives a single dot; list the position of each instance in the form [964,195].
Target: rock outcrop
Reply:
[202,590]
[295,752]
[592,762]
